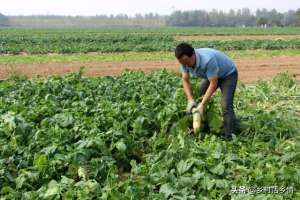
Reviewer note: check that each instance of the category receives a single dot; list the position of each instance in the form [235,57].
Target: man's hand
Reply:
[191,104]
[200,108]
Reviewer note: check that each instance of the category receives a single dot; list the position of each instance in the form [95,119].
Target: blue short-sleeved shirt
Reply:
[210,63]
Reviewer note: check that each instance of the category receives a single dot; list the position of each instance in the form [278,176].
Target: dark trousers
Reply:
[227,86]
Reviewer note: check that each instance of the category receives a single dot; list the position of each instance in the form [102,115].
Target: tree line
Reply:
[3,20]
[240,17]
[201,18]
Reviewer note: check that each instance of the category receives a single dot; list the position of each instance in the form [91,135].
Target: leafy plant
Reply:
[127,137]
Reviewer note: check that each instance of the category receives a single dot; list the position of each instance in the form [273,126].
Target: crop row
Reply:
[164,30]
[64,43]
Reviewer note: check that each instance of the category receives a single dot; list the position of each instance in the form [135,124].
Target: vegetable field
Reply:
[15,41]
[127,137]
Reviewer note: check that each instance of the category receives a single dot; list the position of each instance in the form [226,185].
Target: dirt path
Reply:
[235,37]
[250,69]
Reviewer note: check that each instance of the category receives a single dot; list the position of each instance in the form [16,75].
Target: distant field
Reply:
[44,51]
[129,56]
[45,41]
[168,30]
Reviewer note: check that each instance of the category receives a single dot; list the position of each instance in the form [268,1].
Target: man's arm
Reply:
[187,86]
[213,84]
[212,76]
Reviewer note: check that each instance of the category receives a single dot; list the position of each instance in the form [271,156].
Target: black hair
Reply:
[184,49]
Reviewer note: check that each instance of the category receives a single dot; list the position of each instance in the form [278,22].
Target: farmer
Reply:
[217,70]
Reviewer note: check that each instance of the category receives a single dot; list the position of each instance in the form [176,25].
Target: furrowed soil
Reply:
[250,69]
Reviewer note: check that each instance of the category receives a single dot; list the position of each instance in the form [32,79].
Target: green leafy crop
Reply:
[127,137]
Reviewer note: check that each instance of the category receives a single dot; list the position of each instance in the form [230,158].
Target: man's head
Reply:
[185,54]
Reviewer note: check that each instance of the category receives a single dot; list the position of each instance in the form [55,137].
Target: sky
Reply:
[132,7]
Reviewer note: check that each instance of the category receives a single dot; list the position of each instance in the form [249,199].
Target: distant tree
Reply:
[289,18]
[231,19]
[3,20]
[139,16]
[298,16]
[175,19]
[262,21]
[149,16]
[121,16]
[275,18]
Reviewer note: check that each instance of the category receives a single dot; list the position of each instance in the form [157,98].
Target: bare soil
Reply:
[235,37]
[250,69]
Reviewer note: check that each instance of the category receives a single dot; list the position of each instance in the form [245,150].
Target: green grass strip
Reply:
[129,56]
